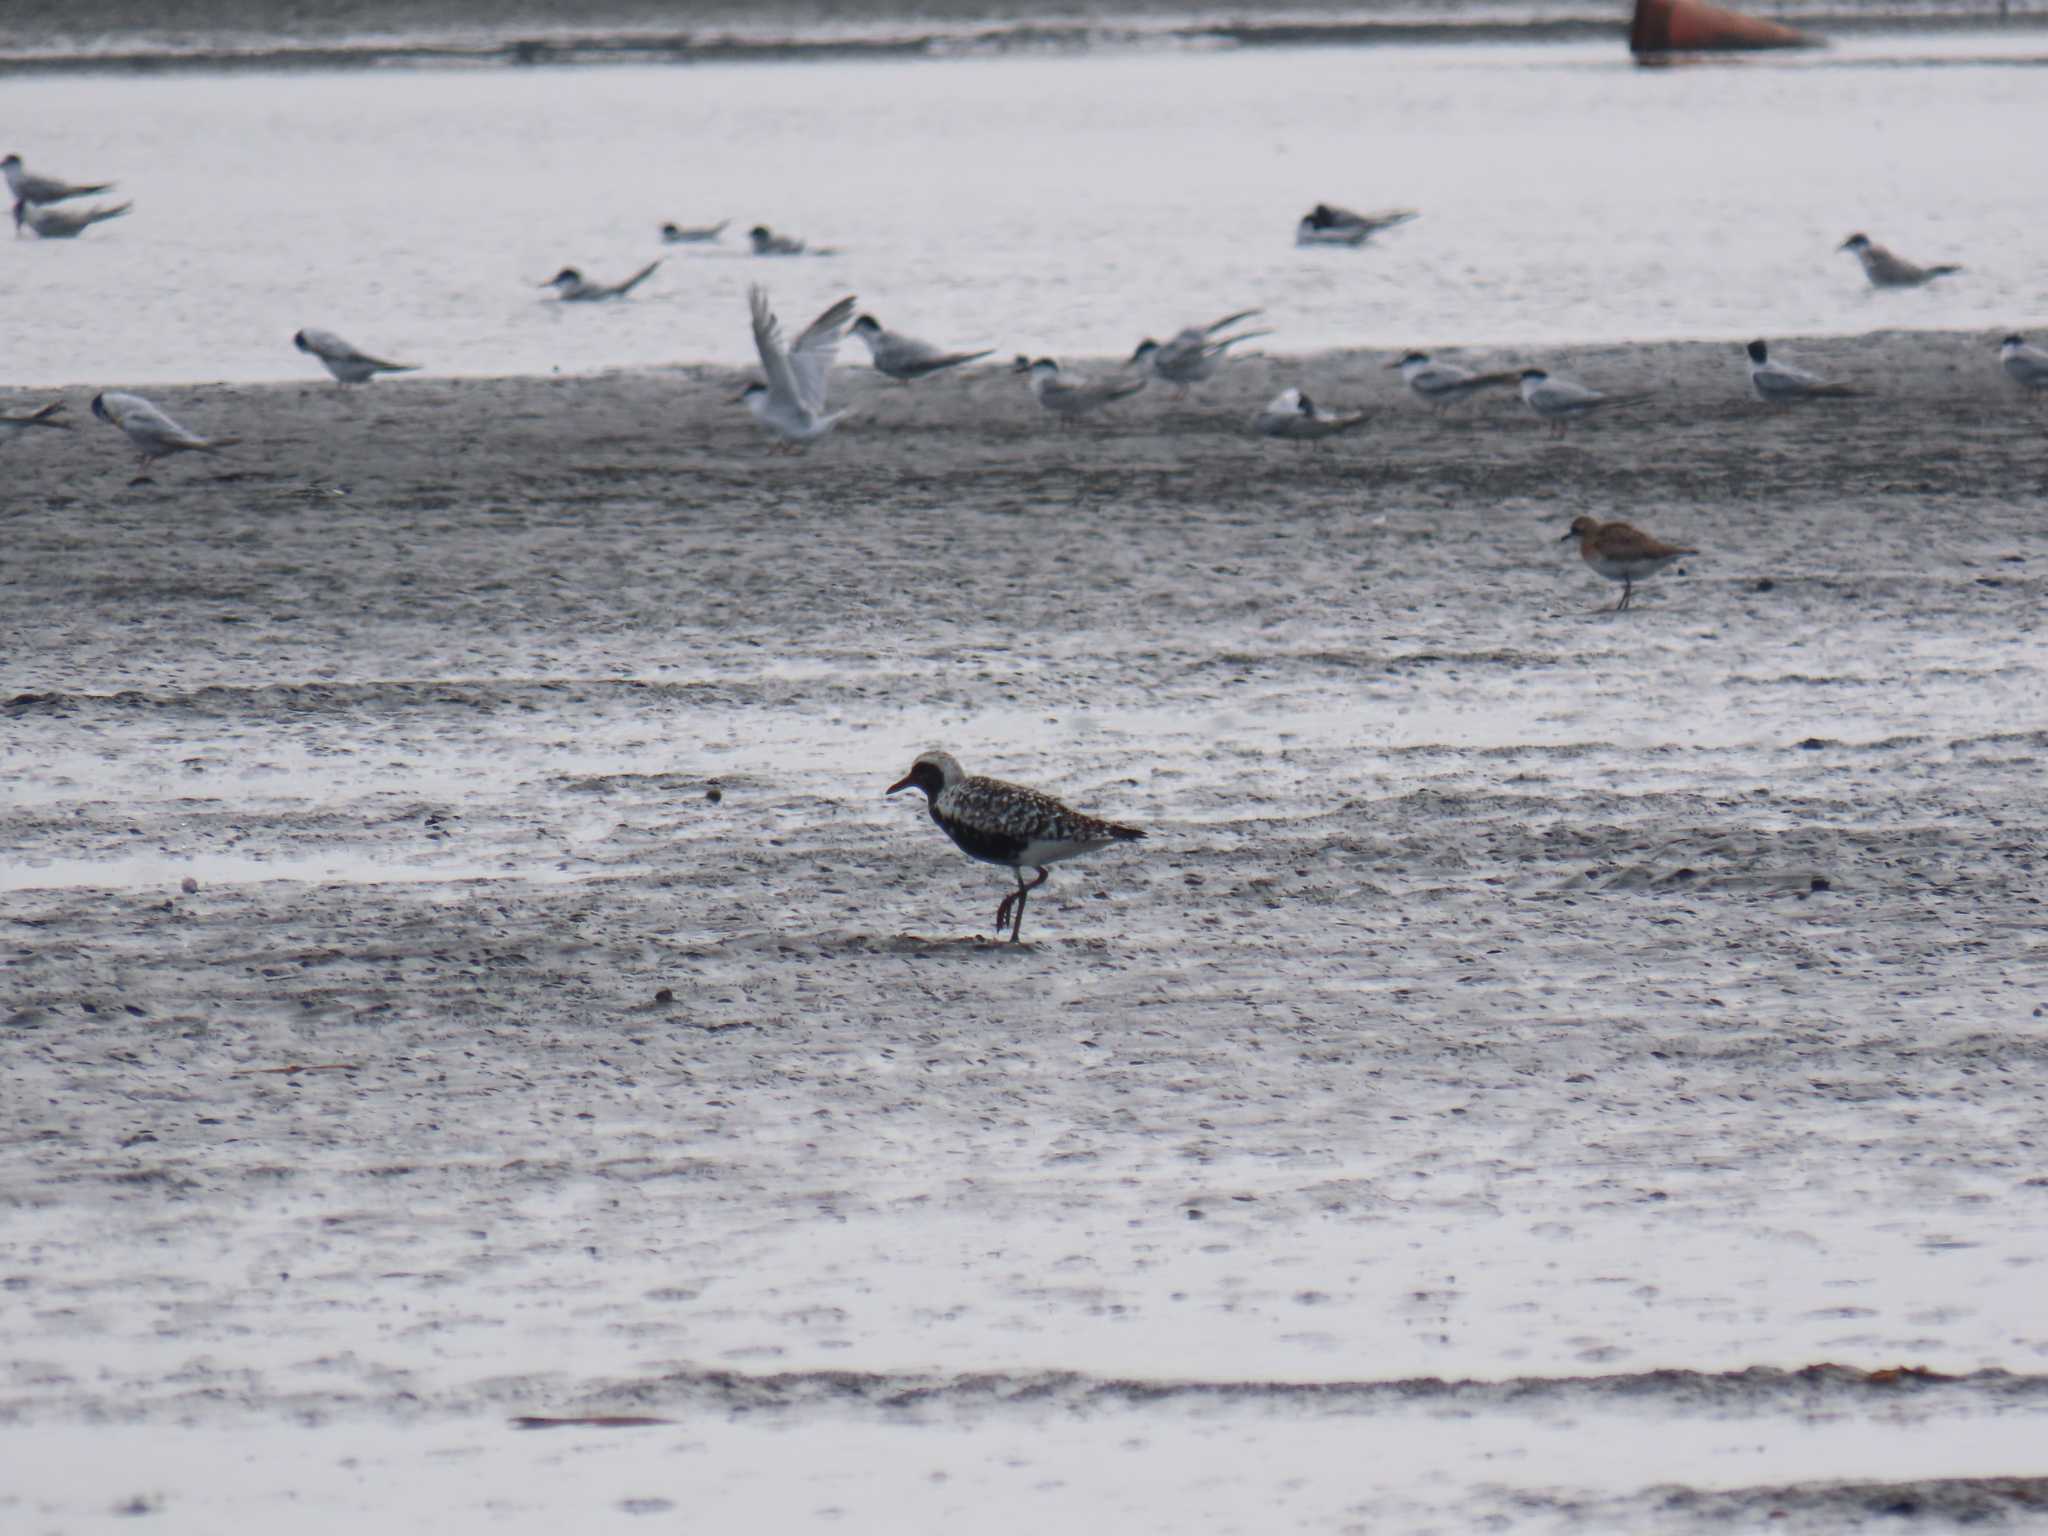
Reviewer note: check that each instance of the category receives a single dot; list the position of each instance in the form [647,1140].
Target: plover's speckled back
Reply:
[1007,824]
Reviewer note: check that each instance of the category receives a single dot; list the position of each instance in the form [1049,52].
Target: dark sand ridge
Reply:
[1467,905]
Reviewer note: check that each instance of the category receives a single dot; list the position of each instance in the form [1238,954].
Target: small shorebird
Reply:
[1888,271]
[1007,824]
[62,223]
[1326,224]
[1074,395]
[348,365]
[153,433]
[1292,414]
[905,357]
[571,287]
[28,188]
[792,403]
[1443,384]
[12,427]
[1780,383]
[1193,355]
[1557,401]
[701,234]
[2026,366]
[1622,553]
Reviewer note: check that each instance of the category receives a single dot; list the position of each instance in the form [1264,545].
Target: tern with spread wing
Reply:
[1195,354]
[792,403]
[346,363]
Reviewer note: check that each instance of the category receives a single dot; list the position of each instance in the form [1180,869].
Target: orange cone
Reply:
[1692,26]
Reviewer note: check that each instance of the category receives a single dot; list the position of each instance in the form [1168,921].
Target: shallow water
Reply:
[1063,204]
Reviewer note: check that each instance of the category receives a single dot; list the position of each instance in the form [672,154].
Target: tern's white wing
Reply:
[812,356]
[1562,395]
[146,425]
[782,382]
[330,346]
[1435,376]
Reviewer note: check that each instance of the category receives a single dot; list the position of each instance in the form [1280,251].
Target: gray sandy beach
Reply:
[1545,1069]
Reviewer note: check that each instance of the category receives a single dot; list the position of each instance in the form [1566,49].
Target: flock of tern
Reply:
[791,399]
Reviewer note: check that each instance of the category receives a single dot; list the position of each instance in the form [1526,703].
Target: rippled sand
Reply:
[1546,1070]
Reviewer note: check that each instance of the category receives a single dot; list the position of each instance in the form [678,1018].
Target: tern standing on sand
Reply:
[792,403]
[346,363]
[1559,401]
[2025,365]
[1443,384]
[1195,353]
[1781,383]
[1071,396]
[153,433]
[906,358]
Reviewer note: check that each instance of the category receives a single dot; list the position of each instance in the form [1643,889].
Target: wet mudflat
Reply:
[1546,1070]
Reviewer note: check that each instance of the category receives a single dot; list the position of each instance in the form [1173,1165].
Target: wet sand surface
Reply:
[1547,1069]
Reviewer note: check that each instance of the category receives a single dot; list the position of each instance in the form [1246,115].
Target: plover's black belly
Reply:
[984,843]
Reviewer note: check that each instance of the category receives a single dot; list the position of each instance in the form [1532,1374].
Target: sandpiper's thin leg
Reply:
[1628,590]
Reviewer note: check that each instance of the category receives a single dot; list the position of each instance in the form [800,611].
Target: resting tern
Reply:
[1444,384]
[1557,401]
[1195,354]
[44,189]
[63,223]
[1888,271]
[768,243]
[702,234]
[572,288]
[348,365]
[2026,366]
[1071,396]
[792,403]
[905,357]
[154,434]
[1292,414]
[1326,224]
[1780,383]
[12,427]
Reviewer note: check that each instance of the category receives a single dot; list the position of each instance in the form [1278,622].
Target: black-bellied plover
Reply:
[1007,824]
[1622,552]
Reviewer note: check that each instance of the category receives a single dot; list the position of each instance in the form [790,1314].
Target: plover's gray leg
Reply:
[1019,896]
